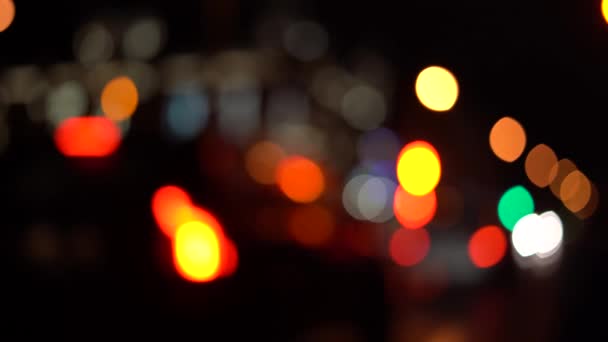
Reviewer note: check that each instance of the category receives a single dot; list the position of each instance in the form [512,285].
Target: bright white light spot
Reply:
[525,235]
[539,235]
[552,234]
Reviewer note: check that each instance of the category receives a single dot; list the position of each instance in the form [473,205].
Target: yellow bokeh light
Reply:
[575,191]
[418,168]
[605,9]
[538,165]
[7,14]
[507,139]
[119,98]
[437,88]
[197,251]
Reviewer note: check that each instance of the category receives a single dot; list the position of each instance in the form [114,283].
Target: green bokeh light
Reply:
[514,204]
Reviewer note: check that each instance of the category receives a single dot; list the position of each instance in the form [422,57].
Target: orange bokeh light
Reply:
[418,168]
[87,137]
[538,165]
[300,179]
[311,226]
[196,251]
[171,207]
[119,98]
[7,14]
[261,161]
[409,247]
[414,212]
[558,173]
[507,139]
[487,246]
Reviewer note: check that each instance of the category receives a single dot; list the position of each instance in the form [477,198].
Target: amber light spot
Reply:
[414,212]
[300,179]
[558,174]
[261,161]
[197,252]
[170,204]
[538,165]
[507,139]
[312,225]
[7,14]
[409,247]
[119,98]
[87,137]
[487,246]
[575,191]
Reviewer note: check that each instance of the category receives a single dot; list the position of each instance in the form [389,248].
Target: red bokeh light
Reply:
[409,247]
[87,137]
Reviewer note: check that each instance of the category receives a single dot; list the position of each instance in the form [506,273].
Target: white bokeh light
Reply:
[539,235]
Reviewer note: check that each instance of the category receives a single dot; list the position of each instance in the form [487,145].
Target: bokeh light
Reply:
[558,173]
[169,203]
[591,206]
[67,100]
[437,88]
[89,136]
[119,98]
[93,44]
[262,160]
[487,246]
[238,107]
[7,14]
[311,225]
[525,235]
[197,252]
[409,247]
[380,144]
[374,199]
[414,212]
[187,113]
[514,204]
[350,194]
[538,165]
[144,38]
[551,235]
[300,179]
[363,107]
[301,139]
[575,191]
[605,9]
[418,168]
[507,139]
[539,235]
